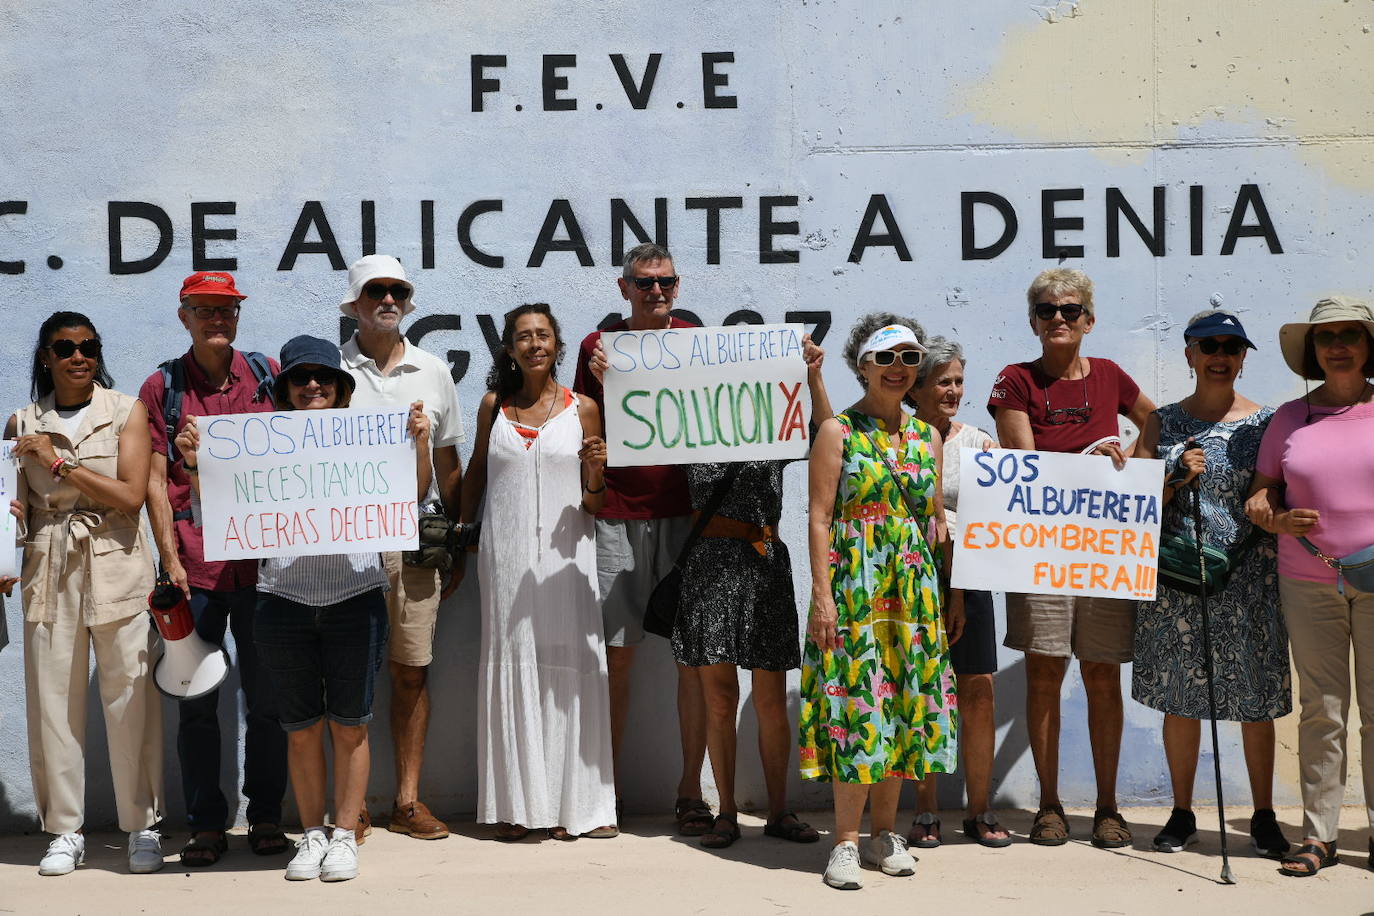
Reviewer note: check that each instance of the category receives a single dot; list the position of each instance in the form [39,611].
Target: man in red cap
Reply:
[214,378]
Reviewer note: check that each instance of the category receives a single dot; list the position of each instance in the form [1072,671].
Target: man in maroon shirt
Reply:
[216,379]
[639,532]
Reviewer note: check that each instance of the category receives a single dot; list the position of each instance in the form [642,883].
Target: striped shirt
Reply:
[321,581]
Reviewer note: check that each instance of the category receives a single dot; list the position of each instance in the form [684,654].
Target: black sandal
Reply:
[266,839]
[716,838]
[933,836]
[204,853]
[798,831]
[693,816]
[1325,859]
[988,820]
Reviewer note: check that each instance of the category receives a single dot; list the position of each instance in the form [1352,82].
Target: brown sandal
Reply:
[693,816]
[1110,830]
[1051,827]
[718,837]
[511,833]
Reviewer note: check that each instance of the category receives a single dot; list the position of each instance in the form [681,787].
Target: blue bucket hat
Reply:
[1218,324]
[305,350]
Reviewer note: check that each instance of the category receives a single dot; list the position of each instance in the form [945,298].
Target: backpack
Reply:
[174,391]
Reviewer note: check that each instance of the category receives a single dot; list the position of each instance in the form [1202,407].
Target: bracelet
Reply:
[589,490]
[54,467]
[192,469]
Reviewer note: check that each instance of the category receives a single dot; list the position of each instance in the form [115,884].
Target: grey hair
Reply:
[940,351]
[1060,281]
[864,328]
[648,251]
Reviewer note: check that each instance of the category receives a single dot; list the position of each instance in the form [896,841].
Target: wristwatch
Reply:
[64,467]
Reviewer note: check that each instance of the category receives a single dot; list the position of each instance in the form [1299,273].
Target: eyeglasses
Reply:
[1349,337]
[647,283]
[1071,311]
[888,357]
[1210,345]
[206,312]
[399,291]
[304,375]
[66,349]
[1060,416]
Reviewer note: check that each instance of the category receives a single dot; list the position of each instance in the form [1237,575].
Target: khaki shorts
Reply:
[413,606]
[1068,626]
[632,555]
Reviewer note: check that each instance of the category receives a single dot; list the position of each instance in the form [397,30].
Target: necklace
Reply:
[553,399]
[1345,408]
[85,403]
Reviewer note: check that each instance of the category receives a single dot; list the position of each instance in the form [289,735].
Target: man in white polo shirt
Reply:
[391,371]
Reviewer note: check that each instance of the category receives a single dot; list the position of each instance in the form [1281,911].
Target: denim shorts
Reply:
[322,661]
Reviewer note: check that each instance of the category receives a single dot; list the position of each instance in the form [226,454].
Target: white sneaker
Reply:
[887,851]
[145,852]
[341,860]
[64,853]
[310,852]
[843,872]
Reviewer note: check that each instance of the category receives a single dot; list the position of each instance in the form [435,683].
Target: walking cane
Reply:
[1226,876]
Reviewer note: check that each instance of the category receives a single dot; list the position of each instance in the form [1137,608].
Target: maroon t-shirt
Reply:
[1105,391]
[203,400]
[656,491]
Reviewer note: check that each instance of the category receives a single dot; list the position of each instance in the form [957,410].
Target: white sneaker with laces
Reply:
[145,852]
[843,871]
[341,859]
[310,852]
[887,852]
[65,852]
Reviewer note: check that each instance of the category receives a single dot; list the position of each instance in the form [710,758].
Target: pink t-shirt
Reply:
[1327,465]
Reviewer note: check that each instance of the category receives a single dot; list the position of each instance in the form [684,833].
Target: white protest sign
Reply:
[307,482]
[687,395]
[1046,523]
[9,489]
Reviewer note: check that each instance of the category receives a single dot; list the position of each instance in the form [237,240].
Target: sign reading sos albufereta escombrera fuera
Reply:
[307,482]
[688,395]
[1047,523]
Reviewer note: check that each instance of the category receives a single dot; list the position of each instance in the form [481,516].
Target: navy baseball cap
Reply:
[1219,324]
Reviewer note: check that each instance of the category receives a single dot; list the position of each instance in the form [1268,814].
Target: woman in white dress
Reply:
[543,721]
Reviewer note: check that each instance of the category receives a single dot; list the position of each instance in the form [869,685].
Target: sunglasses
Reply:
[1062,416]
[647,283]
[1349,337]
[66,349]
[1045,311]
[888,357]
[1210,345]
[206,312]
[399,291]
[304,375]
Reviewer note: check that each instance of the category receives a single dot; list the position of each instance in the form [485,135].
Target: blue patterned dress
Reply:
[1249,641]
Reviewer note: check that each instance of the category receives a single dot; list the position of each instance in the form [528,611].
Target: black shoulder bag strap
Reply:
[708,511]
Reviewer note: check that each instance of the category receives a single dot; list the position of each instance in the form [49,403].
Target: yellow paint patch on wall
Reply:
[1110,73]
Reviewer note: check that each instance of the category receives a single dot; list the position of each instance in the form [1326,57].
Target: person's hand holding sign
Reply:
[39,445]
[813,356]
[1112,449]
[598,362]
[187,443]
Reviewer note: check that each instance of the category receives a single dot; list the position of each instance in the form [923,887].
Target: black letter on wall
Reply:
[560,211]
[638,95]
[427,234]
[892,238]
[7,207]
[200,235]
[120,210]
[312,214]
[553,82]
[1249,197]
[711,80]
[458,360]
[769,229]
[713,206]
[1117,205]
[622,217]
[474,210]
[1051,224]
[971,251]
[481,83]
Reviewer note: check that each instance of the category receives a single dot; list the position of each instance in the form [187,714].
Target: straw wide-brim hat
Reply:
[1293,336]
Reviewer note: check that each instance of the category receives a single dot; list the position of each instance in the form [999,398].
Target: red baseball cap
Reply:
[210,283]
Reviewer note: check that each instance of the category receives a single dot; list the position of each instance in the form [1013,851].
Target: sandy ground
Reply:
[649,871]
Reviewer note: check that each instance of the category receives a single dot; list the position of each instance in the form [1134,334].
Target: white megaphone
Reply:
[189,667]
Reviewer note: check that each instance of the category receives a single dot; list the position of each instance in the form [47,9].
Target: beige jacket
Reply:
[80,557]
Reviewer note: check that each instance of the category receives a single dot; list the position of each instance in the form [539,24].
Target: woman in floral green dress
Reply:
[878,703]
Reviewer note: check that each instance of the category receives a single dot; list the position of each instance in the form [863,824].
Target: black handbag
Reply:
[1178,565]
[660,614]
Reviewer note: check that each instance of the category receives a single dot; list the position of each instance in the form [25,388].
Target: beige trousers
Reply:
[1322,626]
[55,674]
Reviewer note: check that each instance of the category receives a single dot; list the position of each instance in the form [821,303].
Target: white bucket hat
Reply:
[1293,336]
[372,267]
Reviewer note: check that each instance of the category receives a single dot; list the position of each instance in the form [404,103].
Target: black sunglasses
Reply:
[647,283]
[206,312]
[1210,345]
[1349,337]
[888,357]
[1071,312]
[66,349]
[399,291]
[304,375]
